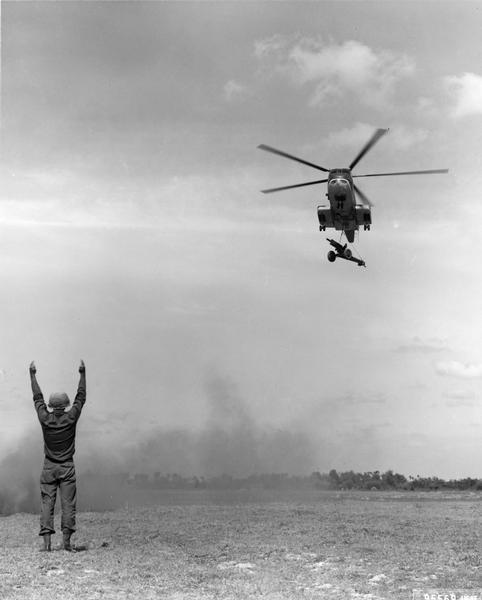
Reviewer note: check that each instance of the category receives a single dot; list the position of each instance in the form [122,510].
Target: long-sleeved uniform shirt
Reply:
[59,427]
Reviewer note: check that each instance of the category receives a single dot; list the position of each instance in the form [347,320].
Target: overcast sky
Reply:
[133,233]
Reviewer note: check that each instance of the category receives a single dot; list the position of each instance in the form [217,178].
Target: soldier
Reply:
[58,427]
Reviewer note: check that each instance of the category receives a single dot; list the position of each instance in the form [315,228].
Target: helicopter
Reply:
[349,207]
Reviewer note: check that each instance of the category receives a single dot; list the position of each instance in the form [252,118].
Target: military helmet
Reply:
[58,400]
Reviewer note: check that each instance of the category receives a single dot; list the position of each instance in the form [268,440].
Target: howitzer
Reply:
[342,251]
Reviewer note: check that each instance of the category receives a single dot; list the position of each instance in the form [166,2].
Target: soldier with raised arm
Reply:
[58,427]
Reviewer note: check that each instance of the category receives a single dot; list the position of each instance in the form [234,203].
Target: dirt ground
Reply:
[330,545]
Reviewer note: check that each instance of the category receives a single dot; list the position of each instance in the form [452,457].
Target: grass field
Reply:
[237,545]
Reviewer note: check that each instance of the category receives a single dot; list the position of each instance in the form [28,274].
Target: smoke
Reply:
[233,443]
[19,475]
[229,442]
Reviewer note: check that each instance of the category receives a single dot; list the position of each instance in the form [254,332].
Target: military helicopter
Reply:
[344,213]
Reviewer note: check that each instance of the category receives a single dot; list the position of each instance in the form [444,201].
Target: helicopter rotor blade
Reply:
[404,173]
[368,146]
[362,196]
[290,156]
[290,187]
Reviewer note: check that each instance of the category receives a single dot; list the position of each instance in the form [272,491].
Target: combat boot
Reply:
[67,544]
[47,543]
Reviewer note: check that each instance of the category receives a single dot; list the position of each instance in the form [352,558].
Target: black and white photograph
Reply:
[241,300]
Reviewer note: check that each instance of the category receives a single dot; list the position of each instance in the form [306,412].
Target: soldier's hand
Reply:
[32,368]
[82,367]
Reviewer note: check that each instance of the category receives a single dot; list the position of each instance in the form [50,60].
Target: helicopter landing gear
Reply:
[342,251]
[366,227]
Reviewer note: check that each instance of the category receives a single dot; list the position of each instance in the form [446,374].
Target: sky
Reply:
[216,335]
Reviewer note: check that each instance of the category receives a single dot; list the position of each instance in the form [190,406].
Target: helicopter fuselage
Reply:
[343,212]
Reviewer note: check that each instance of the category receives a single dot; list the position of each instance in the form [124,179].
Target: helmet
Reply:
[58,400]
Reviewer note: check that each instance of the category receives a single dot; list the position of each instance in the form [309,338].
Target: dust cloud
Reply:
[229,442]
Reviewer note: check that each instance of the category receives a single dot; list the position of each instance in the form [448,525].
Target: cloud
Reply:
[269,46]
[403,137]
[356,135]
[233,90]
[419,346]
[460,395]
[466,91]
[370,398]
[458,398]
[417,439]
[460,370]
[187,202]
[333,70]
[460,403]
[356,399]
[426,105]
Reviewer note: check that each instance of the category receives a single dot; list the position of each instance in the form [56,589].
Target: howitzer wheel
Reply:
[331,256]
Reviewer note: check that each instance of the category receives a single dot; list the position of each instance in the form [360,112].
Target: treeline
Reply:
[374,480]
[347,480]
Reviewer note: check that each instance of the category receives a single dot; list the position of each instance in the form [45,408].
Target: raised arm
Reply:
[38,398]
[36,391]
[81,395]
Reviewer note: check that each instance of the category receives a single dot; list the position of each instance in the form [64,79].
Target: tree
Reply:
[334,478]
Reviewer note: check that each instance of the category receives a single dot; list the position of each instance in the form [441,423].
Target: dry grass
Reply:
[323,545]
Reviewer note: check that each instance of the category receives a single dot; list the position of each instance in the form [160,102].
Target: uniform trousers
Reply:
[59,476]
